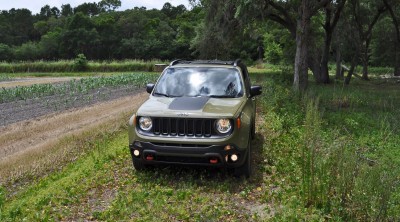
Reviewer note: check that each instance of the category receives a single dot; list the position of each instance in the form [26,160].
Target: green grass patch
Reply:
[102,185]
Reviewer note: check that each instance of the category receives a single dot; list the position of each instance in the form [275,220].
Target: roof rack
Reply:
[176,61]
[214,62]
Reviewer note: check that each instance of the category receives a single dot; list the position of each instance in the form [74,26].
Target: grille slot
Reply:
[183,127]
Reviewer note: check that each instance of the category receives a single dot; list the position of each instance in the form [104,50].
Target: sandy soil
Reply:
[41,134]
[31,81]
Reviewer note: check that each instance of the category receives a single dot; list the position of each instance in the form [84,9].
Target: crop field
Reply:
[26,102]
[330,154]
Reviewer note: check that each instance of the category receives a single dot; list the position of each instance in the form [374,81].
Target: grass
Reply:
[69,66]
[103,186]
[334,150]
[327,155]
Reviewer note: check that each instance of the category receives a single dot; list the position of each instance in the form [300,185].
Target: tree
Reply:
[80,36]
[89,9]
[5,52]
[109,5]
[332,11]
[392,6]
[66,10]
[365,18]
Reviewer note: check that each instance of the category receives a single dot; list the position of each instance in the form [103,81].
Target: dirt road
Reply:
[25,141]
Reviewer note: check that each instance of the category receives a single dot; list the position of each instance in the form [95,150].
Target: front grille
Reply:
[183,127]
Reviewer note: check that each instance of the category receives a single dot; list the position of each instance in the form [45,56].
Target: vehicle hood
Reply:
[192,107]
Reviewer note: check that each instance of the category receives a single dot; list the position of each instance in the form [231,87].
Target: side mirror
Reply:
[149,87]
[255,91]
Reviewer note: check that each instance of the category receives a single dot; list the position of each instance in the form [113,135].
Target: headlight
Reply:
[145,123]
[223,126]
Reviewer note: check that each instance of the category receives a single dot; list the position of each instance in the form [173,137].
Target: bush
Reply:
[5,52]
[81,63]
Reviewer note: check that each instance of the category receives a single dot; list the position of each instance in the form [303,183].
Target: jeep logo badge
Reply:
[183,114]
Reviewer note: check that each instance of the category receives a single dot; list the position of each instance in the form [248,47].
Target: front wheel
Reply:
[245,169]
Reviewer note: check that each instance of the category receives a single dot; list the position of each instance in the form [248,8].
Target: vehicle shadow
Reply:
[176,176]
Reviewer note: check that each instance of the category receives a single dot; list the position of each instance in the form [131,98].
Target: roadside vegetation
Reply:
[78,65]
[328,154]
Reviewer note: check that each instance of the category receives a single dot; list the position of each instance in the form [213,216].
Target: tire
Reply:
[245,169]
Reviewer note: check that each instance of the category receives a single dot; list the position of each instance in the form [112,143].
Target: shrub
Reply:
[81,63]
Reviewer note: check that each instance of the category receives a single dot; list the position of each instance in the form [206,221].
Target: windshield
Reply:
[200,81]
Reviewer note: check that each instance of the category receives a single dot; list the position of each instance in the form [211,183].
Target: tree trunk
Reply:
[339,73]
[300,64]
[325,57]
[365,62]
[353,66]
[397,59]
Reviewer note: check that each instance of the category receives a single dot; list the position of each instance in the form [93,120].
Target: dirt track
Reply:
[22,140]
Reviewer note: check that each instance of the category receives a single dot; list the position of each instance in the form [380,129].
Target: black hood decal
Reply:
[188,103]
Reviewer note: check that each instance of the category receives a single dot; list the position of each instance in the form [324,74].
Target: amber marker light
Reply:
[238,122]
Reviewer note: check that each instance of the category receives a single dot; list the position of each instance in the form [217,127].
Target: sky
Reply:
[36,5]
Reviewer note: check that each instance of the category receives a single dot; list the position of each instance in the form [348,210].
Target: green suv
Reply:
[198,113]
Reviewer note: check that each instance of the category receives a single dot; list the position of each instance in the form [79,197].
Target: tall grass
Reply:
[335,155]
[69,66]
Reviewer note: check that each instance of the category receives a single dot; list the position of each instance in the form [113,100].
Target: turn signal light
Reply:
[238,122]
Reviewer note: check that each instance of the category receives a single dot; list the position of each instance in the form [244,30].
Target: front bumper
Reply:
[201,155]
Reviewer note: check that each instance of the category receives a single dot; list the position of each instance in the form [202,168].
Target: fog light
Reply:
[234,157]
[136,152]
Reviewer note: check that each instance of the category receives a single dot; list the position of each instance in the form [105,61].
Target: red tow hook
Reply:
[214,160]
[150,157]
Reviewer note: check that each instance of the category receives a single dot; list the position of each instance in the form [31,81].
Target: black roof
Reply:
[212,62]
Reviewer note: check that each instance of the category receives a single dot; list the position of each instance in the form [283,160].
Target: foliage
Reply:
[81,63]
[99,32]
